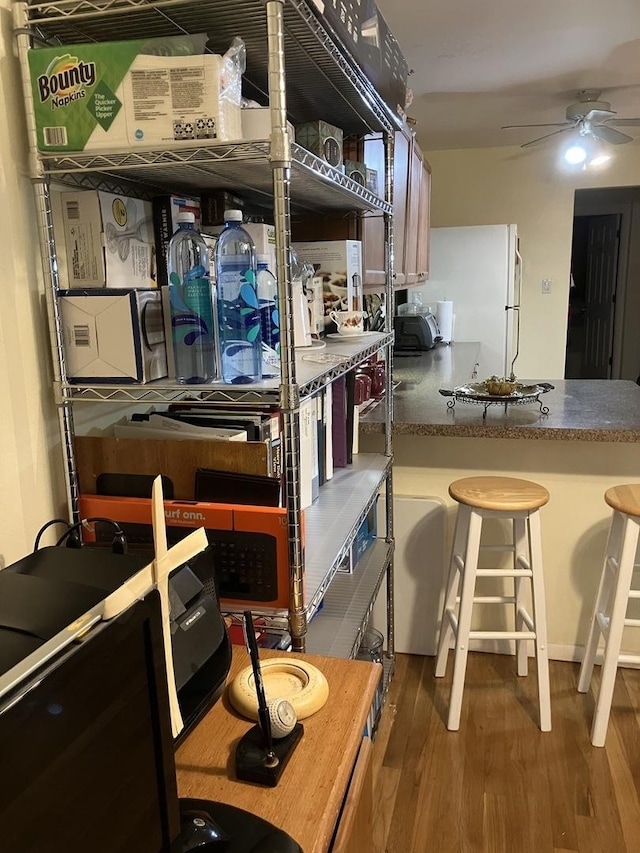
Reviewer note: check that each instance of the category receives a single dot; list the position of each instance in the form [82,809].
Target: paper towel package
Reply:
[444,318]
[112,96]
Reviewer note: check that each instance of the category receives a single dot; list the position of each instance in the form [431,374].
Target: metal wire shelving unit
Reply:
[295,64]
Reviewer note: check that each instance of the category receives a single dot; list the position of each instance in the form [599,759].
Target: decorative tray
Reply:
[476,393]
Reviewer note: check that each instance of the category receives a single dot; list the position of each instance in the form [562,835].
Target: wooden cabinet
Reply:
[411,205]
[416,234]
[325,792]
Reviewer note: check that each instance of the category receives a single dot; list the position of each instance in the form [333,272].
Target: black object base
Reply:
[251,756]
[220,828]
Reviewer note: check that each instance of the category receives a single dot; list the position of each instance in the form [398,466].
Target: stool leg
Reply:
[540,620]
[616,626]
[446,629]
[520,546]
[607,579]
[464,621]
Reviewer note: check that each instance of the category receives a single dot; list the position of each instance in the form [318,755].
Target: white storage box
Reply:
[115,96]
[108,240]
[256,124]
[339,264]
[112,335]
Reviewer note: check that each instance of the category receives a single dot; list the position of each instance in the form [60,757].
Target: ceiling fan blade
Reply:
[623,122]
[546,136]
[599,115]
[610,134]
[553,124]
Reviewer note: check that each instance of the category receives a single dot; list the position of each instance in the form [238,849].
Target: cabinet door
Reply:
[416,256]
[373,223]
[424,222]
[354,833]
[401,172]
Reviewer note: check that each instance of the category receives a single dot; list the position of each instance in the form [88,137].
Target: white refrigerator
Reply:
[479,269]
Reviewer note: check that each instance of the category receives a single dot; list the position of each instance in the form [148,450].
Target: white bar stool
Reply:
[519,501]
[610,611]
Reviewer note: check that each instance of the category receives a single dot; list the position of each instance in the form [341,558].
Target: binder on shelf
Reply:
[160,427]
[231,488]
[308,453]
[328,423]
[339,422]
[350,389]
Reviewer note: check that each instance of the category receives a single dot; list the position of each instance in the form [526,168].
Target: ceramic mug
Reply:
[348,322]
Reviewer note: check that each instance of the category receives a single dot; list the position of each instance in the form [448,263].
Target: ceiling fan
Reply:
[589,117]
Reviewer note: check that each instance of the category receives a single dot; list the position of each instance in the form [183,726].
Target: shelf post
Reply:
[280,158]
[42,199]
[388,424]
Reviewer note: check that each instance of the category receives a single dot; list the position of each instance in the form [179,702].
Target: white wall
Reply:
[31,472]
[508,184]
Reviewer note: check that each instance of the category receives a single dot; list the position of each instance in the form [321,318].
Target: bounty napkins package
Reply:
[111,96]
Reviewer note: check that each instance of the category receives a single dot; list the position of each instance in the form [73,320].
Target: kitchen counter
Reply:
[579,410]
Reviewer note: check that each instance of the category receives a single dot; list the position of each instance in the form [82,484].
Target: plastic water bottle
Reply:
[267,289]
[240,337]
[191,303]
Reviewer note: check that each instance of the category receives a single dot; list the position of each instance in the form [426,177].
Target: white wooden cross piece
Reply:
[156,574]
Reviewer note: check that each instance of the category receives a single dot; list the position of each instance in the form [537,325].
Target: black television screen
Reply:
[86,752]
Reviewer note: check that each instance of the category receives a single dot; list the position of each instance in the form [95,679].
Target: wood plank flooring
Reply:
[500,785]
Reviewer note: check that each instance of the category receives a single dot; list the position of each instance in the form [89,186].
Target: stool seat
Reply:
[624,499]
[506,494]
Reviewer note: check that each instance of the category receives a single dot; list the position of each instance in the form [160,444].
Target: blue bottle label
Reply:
[192,312]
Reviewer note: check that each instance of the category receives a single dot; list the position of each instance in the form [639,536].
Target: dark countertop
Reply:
[579,409]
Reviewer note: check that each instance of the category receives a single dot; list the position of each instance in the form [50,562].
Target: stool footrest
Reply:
[634,593]
[502,635]
[504,573]
[453,619]
[632,623]
[494,599]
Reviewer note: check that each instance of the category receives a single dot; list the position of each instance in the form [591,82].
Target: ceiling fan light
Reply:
[575,155]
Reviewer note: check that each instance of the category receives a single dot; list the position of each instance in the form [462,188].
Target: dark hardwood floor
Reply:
[500,785]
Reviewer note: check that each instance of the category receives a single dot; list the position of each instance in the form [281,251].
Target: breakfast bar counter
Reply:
[585,445]
[579,410]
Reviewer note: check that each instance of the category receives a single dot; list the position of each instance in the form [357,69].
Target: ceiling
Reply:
[481,64]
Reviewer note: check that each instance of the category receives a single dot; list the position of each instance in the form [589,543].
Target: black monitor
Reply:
[86,751]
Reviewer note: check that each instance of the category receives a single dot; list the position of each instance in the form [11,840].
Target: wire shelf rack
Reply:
[322,80]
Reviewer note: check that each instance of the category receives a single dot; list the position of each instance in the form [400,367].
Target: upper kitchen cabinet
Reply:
[411,198]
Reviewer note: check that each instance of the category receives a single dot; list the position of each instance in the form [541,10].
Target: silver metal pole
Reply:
[289,392]
[44,220]
[388,425]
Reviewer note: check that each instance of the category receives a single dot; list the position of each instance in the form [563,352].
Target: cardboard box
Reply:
[356,171]
[362,29]
[322,139]
[339,264]
[112,96]
[134,516]
[113,336]
[108,240]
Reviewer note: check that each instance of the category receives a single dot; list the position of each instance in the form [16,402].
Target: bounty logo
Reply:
[65,80]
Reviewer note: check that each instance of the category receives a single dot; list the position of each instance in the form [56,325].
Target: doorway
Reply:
[592,296]
[604,297]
